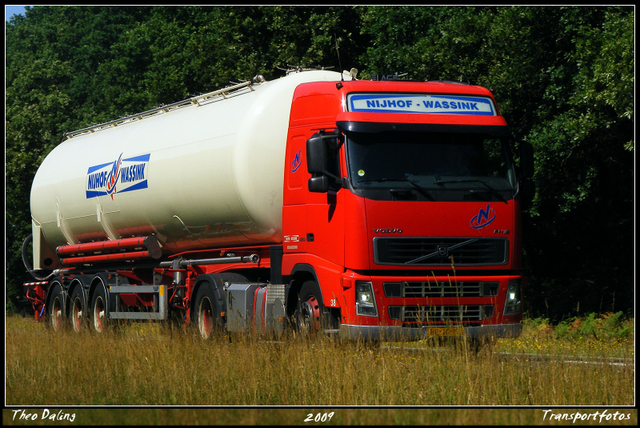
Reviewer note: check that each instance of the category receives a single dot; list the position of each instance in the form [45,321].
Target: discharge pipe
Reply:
[253,258]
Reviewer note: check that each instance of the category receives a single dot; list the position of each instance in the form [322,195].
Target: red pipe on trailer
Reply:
[91,247]
[102,258]
[110,250]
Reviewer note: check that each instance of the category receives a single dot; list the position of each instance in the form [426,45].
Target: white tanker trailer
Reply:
[199,174]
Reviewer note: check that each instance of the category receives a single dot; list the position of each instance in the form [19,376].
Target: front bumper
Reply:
[366,332]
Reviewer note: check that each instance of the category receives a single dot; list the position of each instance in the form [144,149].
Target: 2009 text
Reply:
[320,417]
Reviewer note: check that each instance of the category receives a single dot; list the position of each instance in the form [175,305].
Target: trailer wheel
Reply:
[77,309]
[99,310]
[207,313]
[55,311]
[309,312]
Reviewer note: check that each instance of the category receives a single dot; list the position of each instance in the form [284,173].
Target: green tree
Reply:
[52,55]
[584,209]
[563,78]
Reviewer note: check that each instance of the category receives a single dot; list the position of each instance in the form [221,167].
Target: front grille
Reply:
[451,288]
[435,314]
[441,251]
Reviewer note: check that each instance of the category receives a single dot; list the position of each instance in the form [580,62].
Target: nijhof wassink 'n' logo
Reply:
[484,217]
[297,161]
[121,175]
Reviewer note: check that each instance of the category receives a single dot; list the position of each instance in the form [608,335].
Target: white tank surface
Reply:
[200,175]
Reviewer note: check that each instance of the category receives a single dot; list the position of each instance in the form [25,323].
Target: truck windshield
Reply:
[437,165]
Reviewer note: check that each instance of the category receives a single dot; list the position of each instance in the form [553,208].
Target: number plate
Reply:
[444,331]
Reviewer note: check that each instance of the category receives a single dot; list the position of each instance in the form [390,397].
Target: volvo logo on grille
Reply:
[387,230]
[443,250]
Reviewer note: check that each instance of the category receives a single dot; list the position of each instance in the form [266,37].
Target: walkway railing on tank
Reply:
[224,93]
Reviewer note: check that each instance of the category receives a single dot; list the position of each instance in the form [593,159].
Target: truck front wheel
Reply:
[308,316]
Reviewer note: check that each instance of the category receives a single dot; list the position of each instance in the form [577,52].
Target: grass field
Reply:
[154,364]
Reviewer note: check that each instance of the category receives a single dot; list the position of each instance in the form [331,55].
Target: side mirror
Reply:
[319,184]
[322,161]
[316,155]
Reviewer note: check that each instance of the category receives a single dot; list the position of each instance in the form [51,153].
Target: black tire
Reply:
[77,310]
[207,317]
[310,315]
[99,310]
[55,308]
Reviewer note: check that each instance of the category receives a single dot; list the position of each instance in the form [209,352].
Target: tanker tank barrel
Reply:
[186,171]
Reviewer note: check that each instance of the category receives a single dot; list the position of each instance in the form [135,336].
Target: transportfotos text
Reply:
[577,416]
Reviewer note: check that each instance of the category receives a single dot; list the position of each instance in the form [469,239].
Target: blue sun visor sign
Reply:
[421,103]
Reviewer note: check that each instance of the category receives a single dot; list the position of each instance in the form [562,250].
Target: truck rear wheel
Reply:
[55,311]
[207,316]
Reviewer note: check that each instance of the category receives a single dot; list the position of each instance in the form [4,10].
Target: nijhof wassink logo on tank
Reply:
[119,176]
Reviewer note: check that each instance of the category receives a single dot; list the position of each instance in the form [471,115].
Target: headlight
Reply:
[365,300]
[512,303]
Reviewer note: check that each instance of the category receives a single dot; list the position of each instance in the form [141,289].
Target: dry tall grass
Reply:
[152,364]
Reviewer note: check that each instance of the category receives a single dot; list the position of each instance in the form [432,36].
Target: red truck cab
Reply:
[401,208]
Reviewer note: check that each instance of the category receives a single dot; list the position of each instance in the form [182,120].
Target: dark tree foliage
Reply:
[563,78]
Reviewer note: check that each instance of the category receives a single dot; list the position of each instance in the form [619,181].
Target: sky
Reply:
[12,10]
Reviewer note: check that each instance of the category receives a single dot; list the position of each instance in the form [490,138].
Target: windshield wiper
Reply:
[419,188]
[493,191]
